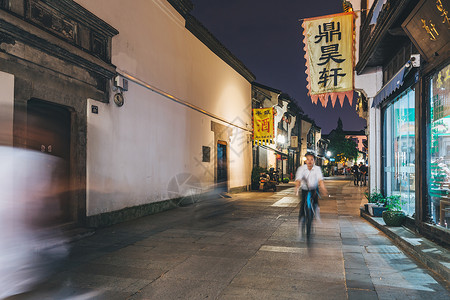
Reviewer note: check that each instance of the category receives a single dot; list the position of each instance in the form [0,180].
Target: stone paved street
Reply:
[246,247]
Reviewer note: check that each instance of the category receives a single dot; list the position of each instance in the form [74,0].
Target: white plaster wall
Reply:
[290,127]
[271,159]
[375,159]
[305,127]
[240,159]
[371,81]
[134,151]
[6,108]
[277,118]
[263,161]
[318,137]
[154,46]
[356,4]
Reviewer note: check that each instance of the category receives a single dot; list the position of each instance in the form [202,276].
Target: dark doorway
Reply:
[48,131]
[222,168]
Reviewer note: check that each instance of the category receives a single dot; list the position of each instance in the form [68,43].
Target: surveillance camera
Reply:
[415,60]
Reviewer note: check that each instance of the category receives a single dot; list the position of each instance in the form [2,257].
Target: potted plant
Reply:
[379,207]
[375,198]
[376,204]
[394,216]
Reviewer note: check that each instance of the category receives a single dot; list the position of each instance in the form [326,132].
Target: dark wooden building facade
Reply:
[410,40]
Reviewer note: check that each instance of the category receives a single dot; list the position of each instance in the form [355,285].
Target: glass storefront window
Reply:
[439,150]
[399,150]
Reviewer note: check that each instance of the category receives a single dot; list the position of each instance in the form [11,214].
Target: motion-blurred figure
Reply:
[30,242]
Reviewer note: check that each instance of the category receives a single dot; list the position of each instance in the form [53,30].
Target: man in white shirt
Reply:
[310,178]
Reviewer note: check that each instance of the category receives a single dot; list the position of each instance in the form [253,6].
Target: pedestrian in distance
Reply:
[355,171]
[362,174]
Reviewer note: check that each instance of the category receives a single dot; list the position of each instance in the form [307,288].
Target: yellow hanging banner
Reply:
[263,125]
[329,53]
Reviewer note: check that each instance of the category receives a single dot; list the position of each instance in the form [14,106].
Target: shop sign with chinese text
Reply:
[428,26]
[294,141]
[329,53]
[263,125]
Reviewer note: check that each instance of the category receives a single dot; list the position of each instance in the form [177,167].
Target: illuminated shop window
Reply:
[399,150]
[439,150]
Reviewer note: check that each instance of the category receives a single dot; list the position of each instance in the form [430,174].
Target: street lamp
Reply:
[281,139]
[328,154]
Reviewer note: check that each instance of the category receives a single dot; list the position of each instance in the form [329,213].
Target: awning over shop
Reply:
[274,150]
[392,85]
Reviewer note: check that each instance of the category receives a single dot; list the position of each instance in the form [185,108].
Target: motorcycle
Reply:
[266,183]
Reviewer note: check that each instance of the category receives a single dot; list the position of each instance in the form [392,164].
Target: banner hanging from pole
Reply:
[329,52]
[263,126]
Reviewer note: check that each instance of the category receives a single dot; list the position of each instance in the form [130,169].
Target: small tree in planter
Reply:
[375,197]
[377,203]
[394,216]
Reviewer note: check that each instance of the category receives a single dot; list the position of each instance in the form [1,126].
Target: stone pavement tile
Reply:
[352,249]
[351,241]
[356,255]
[134,251]
[318,241]
[176,288]
[355,263]
[84,254]
[119,271]
[404,293]
[191,232]
[358,294]
[155,260]
[292,231]
[65,292]
[170,247]
[302,252]
[300,243]
[399,280]
[99,282]
[164,237]
[207,268]
[236,293]
[109,295]
[285,284]
[298,270]
[359,281]
[248,234]
[237,252]
[306,256]
[231,241]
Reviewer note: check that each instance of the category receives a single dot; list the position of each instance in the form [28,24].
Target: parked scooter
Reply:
[266,183]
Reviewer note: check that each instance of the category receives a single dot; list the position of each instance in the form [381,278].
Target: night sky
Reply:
[267,37]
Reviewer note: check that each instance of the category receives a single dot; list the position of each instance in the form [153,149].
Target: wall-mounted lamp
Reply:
[120,86]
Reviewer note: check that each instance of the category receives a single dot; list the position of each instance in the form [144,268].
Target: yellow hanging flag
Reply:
[263,125]
[329,53]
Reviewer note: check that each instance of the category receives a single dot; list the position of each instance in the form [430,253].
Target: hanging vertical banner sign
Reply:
[263,125]
[329,53]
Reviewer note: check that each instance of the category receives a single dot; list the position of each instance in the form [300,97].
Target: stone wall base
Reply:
[239,189]
[129,213]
